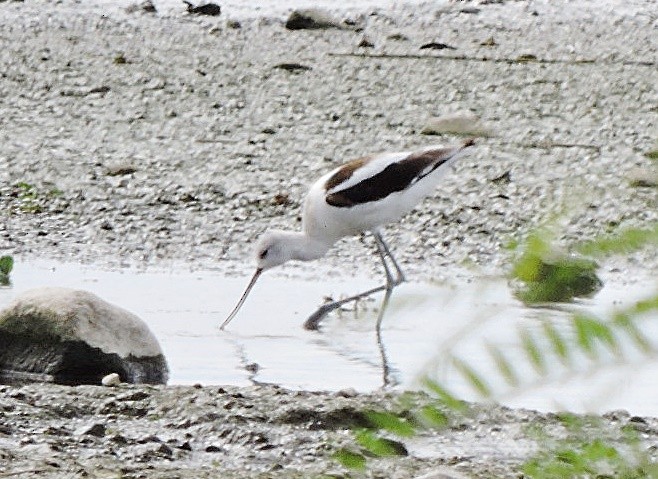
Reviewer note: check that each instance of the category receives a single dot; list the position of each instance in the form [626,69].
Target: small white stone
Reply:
[111,380]
[444,473]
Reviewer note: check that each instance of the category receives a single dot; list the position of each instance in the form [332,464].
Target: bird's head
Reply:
[273,249]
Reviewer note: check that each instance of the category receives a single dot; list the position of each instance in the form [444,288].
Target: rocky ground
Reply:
[131,138]
[136,138]
[260,432]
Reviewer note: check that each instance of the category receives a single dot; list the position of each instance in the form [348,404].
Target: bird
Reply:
[358,197]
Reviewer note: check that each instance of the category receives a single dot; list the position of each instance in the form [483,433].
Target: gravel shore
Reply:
[62,432]
[137,139]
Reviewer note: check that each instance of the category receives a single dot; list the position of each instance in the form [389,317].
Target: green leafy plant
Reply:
[351,459]
[379,438]
[33,199]
[373,443]
[588,459]
[545,354]
[29,198]
[546,275]
[620,242]
[6,265]
[543,274]
[587,343]
[590,450]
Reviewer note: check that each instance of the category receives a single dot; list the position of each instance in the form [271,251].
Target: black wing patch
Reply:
[395,177]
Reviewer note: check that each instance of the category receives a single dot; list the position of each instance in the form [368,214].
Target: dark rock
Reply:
[398,37]
[73,337]
[99,89]
[526,58]
[311,19]
[279,199]
[334,419]
[96,429]
[165,450]
[437,46]
[120,170]
[503,178]
[211,9]
[366,43]
[149,438]
[119,439]
[185,446]
[292,67]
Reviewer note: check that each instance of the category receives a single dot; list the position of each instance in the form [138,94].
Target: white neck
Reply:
[305,248]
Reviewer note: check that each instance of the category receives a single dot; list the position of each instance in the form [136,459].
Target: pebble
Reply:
[111,380]
[311,19]
[444,473]
[211,9]
[457,123]
[95,429]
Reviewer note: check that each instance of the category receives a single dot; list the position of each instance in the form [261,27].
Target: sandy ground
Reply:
[131,139]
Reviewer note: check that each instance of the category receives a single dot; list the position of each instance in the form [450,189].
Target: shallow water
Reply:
[424,323]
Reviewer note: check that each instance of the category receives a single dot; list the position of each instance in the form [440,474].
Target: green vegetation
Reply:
[6,265]
[585,344]
[542,274]
[621,242]
[590,450]
[545,275]
[32,199]
[376,440]
[544,354]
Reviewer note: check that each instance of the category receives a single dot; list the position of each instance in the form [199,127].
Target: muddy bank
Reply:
[196,432]
[132,138]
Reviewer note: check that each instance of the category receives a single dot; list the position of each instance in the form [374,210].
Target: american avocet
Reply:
[358,197]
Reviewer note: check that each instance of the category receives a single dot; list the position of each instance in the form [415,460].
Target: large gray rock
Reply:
[69,336]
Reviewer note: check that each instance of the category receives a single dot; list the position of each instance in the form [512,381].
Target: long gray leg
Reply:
[391,283]
[313,321]
[387,252]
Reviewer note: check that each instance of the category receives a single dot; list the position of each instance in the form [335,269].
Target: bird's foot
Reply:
[314,320]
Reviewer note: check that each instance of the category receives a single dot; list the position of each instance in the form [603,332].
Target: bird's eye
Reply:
[263,254]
